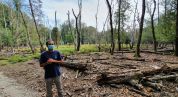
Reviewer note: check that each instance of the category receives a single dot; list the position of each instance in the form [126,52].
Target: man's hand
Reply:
[53,61]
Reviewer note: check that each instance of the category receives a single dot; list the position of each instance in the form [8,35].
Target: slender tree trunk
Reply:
[4,17]
[153,28]
[39,37]
[97,34]
[111,25]
[70,29]
[77,32]
[176,44]
[119,26]
[28,36]
[158,11]
[134,27]
[56,33]
[137,53]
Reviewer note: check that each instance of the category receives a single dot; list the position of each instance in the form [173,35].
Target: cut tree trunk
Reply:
[107,78]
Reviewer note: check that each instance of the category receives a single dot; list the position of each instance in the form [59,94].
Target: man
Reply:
[50,61]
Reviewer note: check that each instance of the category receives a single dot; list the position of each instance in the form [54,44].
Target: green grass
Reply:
[64,49]
[69,49]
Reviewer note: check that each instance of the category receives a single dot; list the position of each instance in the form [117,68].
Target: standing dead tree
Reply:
[152,13]
[153,28]
[176,44]
[134,26]
[119,25]
[70,29]
[27,32]
[137,53]
[97,34]
[111,25]
[36,26]
[78,25]
[77,31]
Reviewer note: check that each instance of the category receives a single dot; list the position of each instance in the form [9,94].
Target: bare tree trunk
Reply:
[28,36]
[4,18]
[77,31]
[137,53]
[176,44]
[111,25]
[158,11]
[39,37]
[119,26]
[56,33]
[165,7]
[97,34]
[153,28]
[70,29]
[134,27]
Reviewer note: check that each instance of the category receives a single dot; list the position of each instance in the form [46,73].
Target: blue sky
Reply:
[88,11]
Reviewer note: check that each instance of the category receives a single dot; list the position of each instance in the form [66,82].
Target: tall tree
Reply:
[134,26]
[27,33]
[36,26]
[97,34]
[119,25]
[111,26]
[176,44]
[55,32]
[137,53]
[77,31]
[152,26]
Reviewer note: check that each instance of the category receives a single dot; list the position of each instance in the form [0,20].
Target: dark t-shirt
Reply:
[52,69]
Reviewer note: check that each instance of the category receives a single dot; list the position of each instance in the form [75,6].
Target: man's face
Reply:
[50,42]
[50,45]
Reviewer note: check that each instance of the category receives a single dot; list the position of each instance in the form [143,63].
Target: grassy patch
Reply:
[4,62]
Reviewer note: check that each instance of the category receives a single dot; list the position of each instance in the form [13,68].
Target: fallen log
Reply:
[156,86]
[75,66]
[106,78]
[133,59]
[160,77]
[71,65]
[139,92]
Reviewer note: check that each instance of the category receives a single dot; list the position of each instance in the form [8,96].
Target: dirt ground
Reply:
[80,84]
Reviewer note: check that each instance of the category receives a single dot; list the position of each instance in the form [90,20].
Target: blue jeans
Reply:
[49,83]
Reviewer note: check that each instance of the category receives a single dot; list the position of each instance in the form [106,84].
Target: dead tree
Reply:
[97,35]
[119,25]
[111,25]
[137,54]
[70,29]
[153,28]
[27,32]
[77,31]
[158,11]
[36,26]
[176,44]
[134,27]
[78,25]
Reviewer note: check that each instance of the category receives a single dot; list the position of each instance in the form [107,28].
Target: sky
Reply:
[88,11]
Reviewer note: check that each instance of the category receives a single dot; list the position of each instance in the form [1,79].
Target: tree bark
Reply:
[111,25]
[27,32]
[36,26]
[119,27]
[153,28]
[56,32]
[137,54]
[77,31]
[70,29]
[176,44]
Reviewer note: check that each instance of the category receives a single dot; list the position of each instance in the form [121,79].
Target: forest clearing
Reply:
[88,48]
